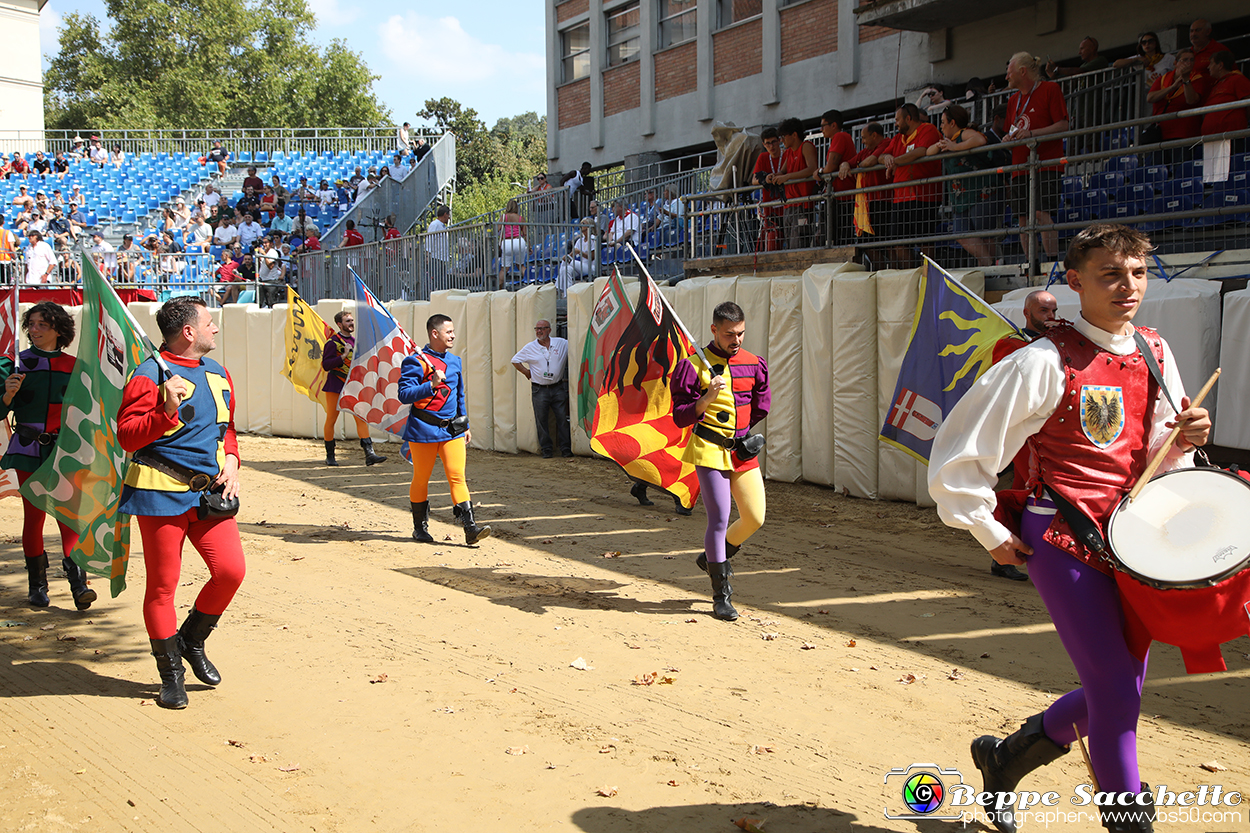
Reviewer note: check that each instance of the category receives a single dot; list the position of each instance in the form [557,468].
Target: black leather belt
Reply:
[197,481]
[458,425]
[703,432]
[33,435]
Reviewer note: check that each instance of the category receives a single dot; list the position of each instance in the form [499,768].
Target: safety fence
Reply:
[244,144]
[987,211]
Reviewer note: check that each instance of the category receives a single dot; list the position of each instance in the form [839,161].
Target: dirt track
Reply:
[371,683]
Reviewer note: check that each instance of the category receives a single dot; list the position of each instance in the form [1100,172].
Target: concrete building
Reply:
[636,81]
[21,73]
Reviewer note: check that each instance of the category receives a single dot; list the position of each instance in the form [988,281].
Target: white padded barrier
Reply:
[479,378]
[504,375]
[1233,428]
[785,377]
[899,475]
[853,367]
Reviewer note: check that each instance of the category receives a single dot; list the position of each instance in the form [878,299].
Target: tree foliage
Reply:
[204,64]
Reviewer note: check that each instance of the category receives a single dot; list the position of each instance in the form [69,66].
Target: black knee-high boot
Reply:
[37,580]
[169,663]
[330,461]
[83,595]
[472,532]
[371,456]
[191,638]
[730,551]
[1004,762]
[722,592]
[421,523]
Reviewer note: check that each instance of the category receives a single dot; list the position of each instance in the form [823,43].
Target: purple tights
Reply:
[717,498]
[1085,607]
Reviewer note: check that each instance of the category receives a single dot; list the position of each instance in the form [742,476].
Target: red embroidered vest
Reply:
[1097,442]
[436,400]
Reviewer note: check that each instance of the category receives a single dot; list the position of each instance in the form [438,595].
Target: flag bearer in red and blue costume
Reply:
[723,401]
[432,382]
[180,429]
[33,393]
[336,360]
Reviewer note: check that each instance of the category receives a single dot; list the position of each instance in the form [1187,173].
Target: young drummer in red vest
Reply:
[438,428]
[1083,398]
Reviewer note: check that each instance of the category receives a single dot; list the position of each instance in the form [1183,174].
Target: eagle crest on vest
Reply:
[1102,413]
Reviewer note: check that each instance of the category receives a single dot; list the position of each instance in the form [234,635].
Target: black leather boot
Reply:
[722,592]
[472,532]
[421,523]
[83,595]
[37,580]
[639,491]
[681,510]
[1138,818]
[730,551]
[330,461]
[371,457]
[169,663]
[1004,762]
[191,638]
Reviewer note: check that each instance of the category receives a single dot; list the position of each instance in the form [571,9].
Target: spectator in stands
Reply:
[402,139]
[218,156]
[366,185]
[118,157]
[60,165]
[1153,61]
[268,205]
[98,155]
[841,148]
[581,187]
[78,151]
[280,191]
[8,254]
[1181,88]
[419,152]
[56,198]
[325,195]
[649,211]
[40,259]
[539,183]
[282,223]
[512,243]
[220,214]
[253,182]
[389,230]
[248,203]
[6,167]
[199,232]
[438,246]
[352,237]
[19,166]
[624,228]
[933,100]
[41,166]
[916,207]
[64,234]
[303,223]
[767,164]
[305,193]
[1204,47]
[969,197]
[384,173]
[799,164]
[77,214]
[1227,85]
[343,193]
[1037,109]
[270,267]
[312,243]
[104,256]
[672,210]
[182,214]
[579,262]
[76,196]
[399,169]
[26,201]
[250,232]
[211,197]
[33,220]
[1089,57]
[356,178]
[170,263]
[602,218]
[41,200]
[128,256]
[872,209]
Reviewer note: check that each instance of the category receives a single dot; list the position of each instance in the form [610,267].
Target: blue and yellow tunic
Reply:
[445,401]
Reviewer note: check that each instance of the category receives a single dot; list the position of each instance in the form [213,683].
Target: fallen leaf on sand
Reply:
[258,759]
[47,627]
[612,554]
[517,750]
[769,637]
[985,656]
[236,743]
[446,537]
[822,611]
[145,702]
[673,784]
[850,643]
[80,771]
[606,792]
[760,750]
[545,540]
[297,558]
[750,825]
[908,679]
[580,665]
[606,750]
[291,768]
[645,679]
[873,668]
[665,681]
[955,674]
[692,621]
[381,678]
[807,646]
[1214,766]
[66,638]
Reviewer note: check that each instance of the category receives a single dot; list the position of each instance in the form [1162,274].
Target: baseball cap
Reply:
[41,191]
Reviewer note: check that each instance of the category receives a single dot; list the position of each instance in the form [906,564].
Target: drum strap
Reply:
[1153,364]
[1083,529]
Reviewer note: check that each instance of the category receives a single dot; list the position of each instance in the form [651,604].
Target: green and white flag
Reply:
[81,483]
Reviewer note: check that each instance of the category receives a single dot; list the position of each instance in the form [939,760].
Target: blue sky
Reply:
[486,54]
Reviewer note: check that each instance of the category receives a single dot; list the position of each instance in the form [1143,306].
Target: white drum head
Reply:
[1187,527]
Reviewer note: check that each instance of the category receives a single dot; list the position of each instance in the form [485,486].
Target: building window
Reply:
[729,12]
[575,52]
[623,34]
[678,19]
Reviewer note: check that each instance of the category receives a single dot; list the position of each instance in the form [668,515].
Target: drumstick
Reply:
[1089,765]
[1167,445]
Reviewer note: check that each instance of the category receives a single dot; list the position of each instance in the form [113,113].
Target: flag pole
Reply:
[693,341]
[17,330]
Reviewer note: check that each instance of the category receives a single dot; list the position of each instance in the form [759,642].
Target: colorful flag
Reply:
[372,388]
[608,323]
[306,337]
[951,345]
[633,422]
[81,483]
[8,323]
[8,477]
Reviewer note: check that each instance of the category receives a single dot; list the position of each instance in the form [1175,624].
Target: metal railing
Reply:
[198,141]
[1156,187]
[406,198]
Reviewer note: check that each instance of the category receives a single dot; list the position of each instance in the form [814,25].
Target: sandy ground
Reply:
[375,684]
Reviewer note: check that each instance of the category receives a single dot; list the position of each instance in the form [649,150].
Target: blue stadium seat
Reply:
[1150,175]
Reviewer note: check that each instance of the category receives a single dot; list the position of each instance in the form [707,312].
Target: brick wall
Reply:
[675,71]
[571,8]
[868,33]
[573,103]
[620,89]
[809,30]
[736,52]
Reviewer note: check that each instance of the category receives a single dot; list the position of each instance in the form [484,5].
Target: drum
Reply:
[1181,553]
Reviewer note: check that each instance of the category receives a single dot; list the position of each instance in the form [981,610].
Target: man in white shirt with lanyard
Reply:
[544,361]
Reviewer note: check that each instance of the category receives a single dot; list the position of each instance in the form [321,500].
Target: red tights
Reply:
[217,542]
[32,527]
